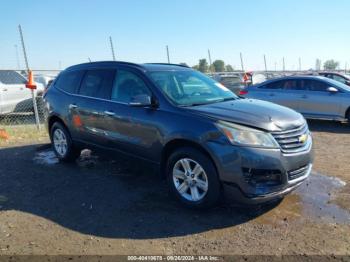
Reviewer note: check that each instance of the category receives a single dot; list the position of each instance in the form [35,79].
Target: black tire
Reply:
[213,192]
[72,153]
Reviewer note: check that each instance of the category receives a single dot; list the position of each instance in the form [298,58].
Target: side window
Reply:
[313,85]
[274,85]
[127,85]
[69,81]
[97,83]
[290,85]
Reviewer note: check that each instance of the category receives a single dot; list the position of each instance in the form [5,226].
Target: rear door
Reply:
[317,102]
[91,106]
[282,92]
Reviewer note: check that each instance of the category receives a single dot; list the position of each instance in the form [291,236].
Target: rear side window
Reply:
[290,85]
[69,81]
[273,85]
[97,83]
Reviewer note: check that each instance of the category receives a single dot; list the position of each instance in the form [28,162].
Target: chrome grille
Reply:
[290,140]
[296,173]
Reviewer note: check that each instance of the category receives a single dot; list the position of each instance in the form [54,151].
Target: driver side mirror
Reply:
[141,101]
[347,82]
[332,89]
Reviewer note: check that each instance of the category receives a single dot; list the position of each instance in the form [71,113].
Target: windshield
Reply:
[339,84]
[190,88]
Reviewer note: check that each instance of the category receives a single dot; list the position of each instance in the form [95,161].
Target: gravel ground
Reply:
[101,206]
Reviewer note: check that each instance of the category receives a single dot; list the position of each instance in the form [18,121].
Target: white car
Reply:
[44,79]
[14,96]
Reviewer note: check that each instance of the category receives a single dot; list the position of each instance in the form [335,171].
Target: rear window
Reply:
[97,83]
[9,77]
[69,81]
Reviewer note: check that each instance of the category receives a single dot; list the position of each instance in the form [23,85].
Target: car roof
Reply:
[144,67]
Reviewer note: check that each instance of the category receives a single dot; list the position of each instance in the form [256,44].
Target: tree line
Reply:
[220,66]
[217,66]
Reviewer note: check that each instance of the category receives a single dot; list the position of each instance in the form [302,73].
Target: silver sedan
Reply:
[315,97]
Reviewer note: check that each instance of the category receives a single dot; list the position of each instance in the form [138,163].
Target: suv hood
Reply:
[254,113]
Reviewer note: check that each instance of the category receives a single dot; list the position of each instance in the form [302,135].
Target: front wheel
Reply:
[192,178]
[62,143]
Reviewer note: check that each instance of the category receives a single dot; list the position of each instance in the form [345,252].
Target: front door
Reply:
[317,102]
[133,130]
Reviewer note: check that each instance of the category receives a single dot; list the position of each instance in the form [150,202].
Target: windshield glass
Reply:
[189,88]
[338,84]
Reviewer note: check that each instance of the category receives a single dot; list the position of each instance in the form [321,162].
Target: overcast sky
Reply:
[65,32]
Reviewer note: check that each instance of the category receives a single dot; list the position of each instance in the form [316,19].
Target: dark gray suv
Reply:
[202,136]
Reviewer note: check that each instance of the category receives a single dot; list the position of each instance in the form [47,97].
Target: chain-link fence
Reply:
[18,121]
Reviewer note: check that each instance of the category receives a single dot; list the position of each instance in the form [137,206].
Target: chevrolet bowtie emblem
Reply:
[302,138]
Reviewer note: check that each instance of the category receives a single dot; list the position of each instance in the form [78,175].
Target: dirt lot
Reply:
[100,206]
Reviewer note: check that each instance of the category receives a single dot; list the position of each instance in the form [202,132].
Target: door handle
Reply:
[304,96]
[109,113]
[5,89]
[271,94]
[72,106]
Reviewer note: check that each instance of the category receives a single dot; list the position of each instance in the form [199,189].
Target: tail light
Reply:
[243,92]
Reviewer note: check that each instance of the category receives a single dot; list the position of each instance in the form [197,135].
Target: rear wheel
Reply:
[62,143]
[192,178]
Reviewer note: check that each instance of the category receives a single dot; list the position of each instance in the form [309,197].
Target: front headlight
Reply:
[245,136]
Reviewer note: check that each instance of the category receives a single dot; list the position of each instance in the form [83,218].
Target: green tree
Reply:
[219,66]
[203,65]
[195,67]
[229,68]
[330,65]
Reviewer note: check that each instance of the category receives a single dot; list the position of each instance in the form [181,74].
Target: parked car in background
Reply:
[342,78]
[233,81]
[202,136]
[314,96]
[45,80]
[14,96]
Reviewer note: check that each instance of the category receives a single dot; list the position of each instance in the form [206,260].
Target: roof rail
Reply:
[167,64]
[104,63]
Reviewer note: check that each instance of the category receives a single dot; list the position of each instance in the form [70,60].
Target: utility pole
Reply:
[209,60]
[284,65]
[346,66]
[89,59]
[167,53]
[265,63]
[275,66]
[36,113]
[17,58]
[112,48]
[242,65]
[299,64]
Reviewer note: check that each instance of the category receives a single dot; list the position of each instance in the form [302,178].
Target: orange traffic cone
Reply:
[30,84]
[3,134]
